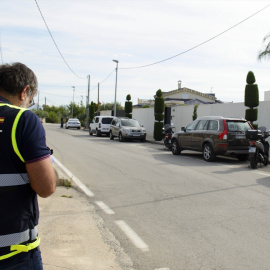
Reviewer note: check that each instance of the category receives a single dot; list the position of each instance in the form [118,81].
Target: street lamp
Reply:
[73,99]
[116,61]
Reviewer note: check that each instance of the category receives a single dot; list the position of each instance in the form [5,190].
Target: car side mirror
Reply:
[183,129]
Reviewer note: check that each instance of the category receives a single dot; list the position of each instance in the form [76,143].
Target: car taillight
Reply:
[99,125]
[252,143]
[223,135]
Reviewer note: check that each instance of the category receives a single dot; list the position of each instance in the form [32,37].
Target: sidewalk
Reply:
[74,237]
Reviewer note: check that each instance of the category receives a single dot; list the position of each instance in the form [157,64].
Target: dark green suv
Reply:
[214,135]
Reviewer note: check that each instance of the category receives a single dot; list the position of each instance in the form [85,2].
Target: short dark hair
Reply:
[14,77]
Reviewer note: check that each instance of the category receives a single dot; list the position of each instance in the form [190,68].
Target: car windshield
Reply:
[130,123]
[237,125]
[106,120]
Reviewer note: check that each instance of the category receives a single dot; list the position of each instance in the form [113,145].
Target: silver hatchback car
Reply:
[125,128]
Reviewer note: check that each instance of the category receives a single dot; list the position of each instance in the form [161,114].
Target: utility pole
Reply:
[87,105]
[73,99]
[114,113]
[98,98]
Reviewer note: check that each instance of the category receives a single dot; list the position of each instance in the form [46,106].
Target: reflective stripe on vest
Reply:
[15,238]
[14,127]
[16,249]
[13,134]
[7,180]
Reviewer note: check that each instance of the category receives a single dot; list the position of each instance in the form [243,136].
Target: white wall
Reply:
[145,116]
[182,115]
[266,95]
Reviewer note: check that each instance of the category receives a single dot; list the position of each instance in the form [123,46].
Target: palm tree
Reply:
[266,52]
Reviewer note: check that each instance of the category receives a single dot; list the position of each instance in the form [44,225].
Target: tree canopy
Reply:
[266,52]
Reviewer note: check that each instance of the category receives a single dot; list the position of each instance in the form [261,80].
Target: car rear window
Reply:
[237,125]
[106,120]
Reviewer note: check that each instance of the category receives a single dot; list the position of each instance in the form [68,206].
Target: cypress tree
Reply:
[251,98]
[128,107]
[159,116]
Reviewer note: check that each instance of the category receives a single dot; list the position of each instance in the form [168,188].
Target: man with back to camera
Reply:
[25,169]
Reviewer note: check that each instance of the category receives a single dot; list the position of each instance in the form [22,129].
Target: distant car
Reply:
[100,125]
[125,128]
[73,123]
[214,135]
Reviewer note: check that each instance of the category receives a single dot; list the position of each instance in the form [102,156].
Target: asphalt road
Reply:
[172,212]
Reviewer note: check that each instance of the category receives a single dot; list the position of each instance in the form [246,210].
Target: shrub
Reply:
[53,118]
[251,97]
[194,116]
[158,131]
[159,116]
[251,114]
[128,107]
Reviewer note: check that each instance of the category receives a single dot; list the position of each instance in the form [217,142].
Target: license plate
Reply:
[240,137]
[252,149]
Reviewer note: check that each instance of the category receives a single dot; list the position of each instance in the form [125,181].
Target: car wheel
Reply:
[254,160]
[175,148]
[143,139]
[265,161]
[121,139]
[208,152]
[111,136]
[242,157]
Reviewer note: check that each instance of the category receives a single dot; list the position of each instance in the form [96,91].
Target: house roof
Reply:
[184,89]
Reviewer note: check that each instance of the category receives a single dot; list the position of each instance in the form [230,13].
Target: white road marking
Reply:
[75,179]
[267,174]
[105,208]
[136,240]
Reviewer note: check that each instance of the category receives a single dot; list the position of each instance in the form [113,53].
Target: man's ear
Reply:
[23,94]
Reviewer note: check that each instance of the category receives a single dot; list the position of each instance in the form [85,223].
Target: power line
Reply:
[103,80]
[200,43]
[56,44]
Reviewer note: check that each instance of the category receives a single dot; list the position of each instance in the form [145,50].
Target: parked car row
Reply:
[121,127]
[211,135]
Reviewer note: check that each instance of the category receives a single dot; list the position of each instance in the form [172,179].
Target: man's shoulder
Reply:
[30,119]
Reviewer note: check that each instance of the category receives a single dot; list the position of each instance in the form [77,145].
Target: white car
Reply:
[73,123]
[100,125]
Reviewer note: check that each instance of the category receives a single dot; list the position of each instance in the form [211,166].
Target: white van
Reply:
[100,125]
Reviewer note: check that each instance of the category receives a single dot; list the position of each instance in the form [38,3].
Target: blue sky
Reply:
[90,34]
